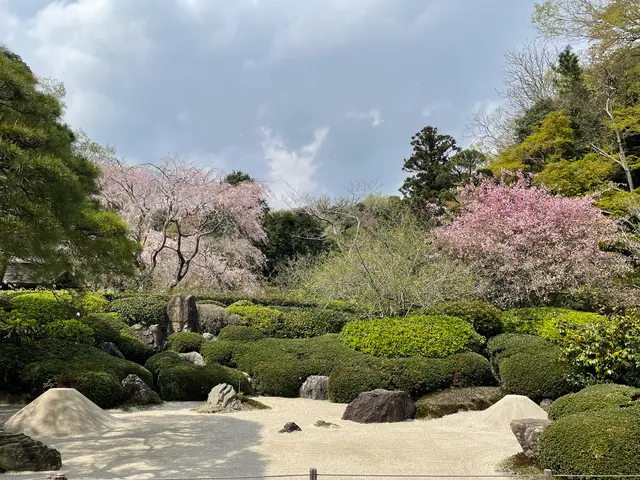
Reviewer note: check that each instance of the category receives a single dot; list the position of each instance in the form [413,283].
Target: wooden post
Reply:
[548,474]
[313,474]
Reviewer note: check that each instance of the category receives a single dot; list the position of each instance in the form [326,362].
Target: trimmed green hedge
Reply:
[69,331]
[470,370]
[605,442]
[101,388]
[265,319]
[147,310]
[416,376]
[108,327]
[184,342]
[239,334]
[594,398]
[44,307]
[537,375]
[310,322]
[213,318]
[189,382]
[422,336]
[347,382]
[544,321]
[161,361]
[509,344]
[485,318]
[219,351]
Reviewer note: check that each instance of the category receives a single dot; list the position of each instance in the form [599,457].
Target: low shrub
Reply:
[161,361]
[506,345]
[281,377]
[470,370]
[16,328]
[594,398]
[109,327]
[44,307]
[537,375]
[310,322]
[89,303]
[213,318]
[13,359]
[69,331]
[265,319]
[220,351]
[605,442]
[416,376]
[347,382]
[240,334]
[183,342]
[189,382]
[422,336]
[101,388]
[132,348]
[146,310]
[485,318]
[545,321]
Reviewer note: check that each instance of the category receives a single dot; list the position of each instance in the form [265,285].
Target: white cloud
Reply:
[290,169]
[374,115]
[437,106]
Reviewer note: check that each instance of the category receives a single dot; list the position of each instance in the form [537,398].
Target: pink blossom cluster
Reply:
[526,244]
[195,229]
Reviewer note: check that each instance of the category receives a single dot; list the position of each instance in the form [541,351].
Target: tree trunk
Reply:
[623,161]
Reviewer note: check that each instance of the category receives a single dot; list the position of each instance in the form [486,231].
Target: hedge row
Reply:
[594,398]
[485,318]
[109,327]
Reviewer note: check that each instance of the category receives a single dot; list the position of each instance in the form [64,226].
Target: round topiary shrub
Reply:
[485,318]
[69,331]
[280,377]
[101,388]
[416,376]
[508,344]
[108,327]
[594,398]
[146,310]
[213,318]
[470,370]
[265,319]
[309,322]
[163,360]
[44,307]
[347,382]
[220,351]
[536,375]
[422,336]
[240,334]
[188,382]
[605,442]
[183,342]
[90,303]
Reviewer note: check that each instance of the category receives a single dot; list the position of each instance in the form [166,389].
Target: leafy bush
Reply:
[213,318]
[89,303]
[281,377]
[13,359]
[605,442]
[69,331]
[537,375]
[108,327]
[416,376]
[220,351]
[240,334]
[15,327]
[189,382]
[310,322]
[506,345]
[425,336]
[265,319]
[347,382]
[593,398]
[148,310]
[44,307]
[470,370]
[545,321]
[605,351]
[484,317]
[163,360]
[101,388]
[183,342]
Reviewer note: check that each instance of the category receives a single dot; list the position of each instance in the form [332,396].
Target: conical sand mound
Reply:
[511,407]
[60,412]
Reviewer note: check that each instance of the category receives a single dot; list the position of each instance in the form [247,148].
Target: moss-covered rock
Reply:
[453,400]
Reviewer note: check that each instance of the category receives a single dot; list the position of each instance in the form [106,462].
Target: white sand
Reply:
[511,407]
[171,441]
[60,412]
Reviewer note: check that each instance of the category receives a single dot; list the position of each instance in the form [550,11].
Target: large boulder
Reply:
[213,318]
[315,387]
[453,400]
[222,398]
[136,392]
[112,349]
[528,432]
[380,406]
[193,357]
[183,314]
[20,453]
[152,336]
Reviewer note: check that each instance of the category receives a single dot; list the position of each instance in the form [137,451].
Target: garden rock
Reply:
[20,453]
[323,424]
[152,336]
[290,427]
[545,404]
[137,392]
[208,336]
[380,406]
[193,357]
[453,400]
[528,432]
[111,348]
[213,318]
[222,398]
[315,387]
[183,314]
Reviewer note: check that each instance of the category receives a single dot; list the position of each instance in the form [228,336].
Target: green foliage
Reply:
[69,331]
[268,300]
[265,319]
[108,327]
[605,442]
[13,359]
[163,360]
[310,322]
[220,351]
[213,318]
[90,303]
[593,398]
[508,344]
[470,370]
[17,328]
[146,310]
[101,388]
[347,382]
[573,178]
[605,351]
[422,336]
[183,342]
[537,375]
[484,317]
[546,321]
[44,307]
[416,376]
[239,334]
[188,382]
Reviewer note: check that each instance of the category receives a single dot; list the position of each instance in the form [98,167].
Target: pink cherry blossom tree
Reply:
[196,230]
[527,245]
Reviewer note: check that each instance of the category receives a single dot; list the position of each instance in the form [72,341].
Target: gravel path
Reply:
[170,441]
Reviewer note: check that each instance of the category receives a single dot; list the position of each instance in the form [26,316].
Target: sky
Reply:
[309,95]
